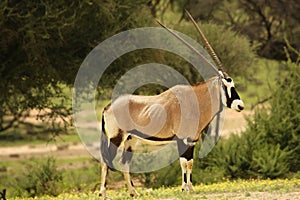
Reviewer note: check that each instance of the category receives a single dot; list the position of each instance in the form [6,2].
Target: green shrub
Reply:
[270,161]
[41,177]
[270,147]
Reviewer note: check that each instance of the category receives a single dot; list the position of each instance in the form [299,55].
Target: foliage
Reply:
[84,178]
[43,44]
[168,176]
[80,174]
[41,178]
[264,22]
[270,161]
[269,148]
[282,125]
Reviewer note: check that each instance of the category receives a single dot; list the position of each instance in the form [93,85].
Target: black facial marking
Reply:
[234,96]
[228,100]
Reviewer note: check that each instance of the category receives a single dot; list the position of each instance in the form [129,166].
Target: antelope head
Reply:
[229,95]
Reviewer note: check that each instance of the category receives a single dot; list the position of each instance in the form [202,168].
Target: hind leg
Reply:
[125,163]
[109,149]
[104,171]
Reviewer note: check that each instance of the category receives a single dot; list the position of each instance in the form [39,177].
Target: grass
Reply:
[80,173]
[238,188]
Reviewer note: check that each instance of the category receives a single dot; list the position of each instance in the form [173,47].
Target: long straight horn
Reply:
[190,47]
[209,48]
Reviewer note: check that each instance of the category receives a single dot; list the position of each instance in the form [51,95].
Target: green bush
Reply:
[41,177]
[270,147]
[270,161]
[281,126]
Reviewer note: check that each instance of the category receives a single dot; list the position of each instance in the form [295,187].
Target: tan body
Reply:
[182,111]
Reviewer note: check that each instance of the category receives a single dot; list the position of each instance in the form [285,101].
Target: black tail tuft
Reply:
[105,148]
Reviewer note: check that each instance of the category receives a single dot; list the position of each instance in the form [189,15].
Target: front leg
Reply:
[186,169]
[189,175]
[186,152]
[183,165]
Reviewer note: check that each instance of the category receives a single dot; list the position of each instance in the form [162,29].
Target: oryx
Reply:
[179,114]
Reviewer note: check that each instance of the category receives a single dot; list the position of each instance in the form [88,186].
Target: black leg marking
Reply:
[3,194]
[127,155]
[191,177]
[184,150]
[131,183]
[184,178]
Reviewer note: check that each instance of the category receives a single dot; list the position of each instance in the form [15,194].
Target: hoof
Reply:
[134,193]
[184,187]
[102,194]
[190,187]
[187,187]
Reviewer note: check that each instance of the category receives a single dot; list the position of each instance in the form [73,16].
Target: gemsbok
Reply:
[178,114]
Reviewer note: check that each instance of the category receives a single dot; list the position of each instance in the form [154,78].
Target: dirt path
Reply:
[32,151]
[253,196]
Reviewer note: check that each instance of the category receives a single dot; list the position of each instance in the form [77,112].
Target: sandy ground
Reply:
[253,196]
